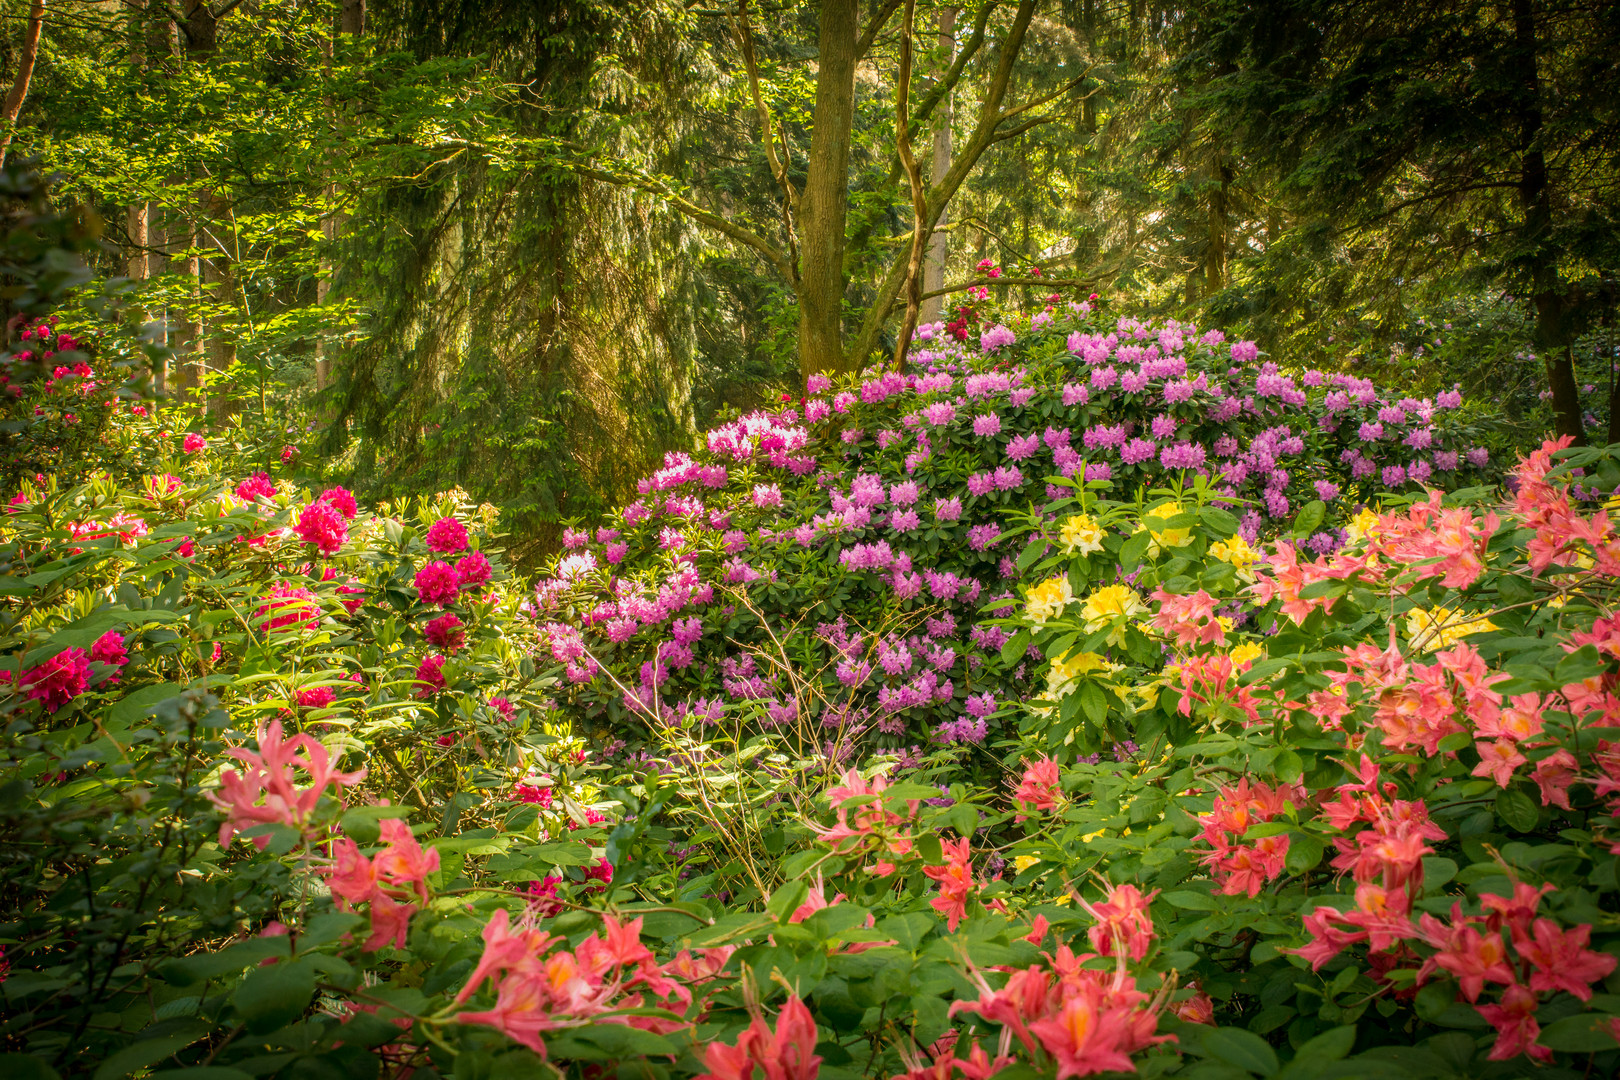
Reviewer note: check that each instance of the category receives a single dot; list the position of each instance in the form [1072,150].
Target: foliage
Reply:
[820,571]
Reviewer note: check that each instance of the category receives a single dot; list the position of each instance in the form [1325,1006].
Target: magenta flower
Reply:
[430,676]
[194,443]
[341,500]
[445,632]
[473,570]
[986,425]
[58,680]
[288,607]
[436,583]
[257,486]
[1022,446]
[322,525]
[447,536]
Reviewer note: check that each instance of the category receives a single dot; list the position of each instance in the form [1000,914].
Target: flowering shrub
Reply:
[1030,715]
[1377,780]
[822,570]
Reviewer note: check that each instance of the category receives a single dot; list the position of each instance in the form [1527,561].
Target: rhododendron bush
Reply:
[823,570]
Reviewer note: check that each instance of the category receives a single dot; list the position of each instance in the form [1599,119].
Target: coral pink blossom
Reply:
[956,883]
[266,790]
[1124,927]
[1041,787]
[788,1053]
[1516,1028]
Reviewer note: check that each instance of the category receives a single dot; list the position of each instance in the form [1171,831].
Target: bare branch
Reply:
[875,27]
[769,131]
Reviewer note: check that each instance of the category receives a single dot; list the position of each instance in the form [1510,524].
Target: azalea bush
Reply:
[1371,788]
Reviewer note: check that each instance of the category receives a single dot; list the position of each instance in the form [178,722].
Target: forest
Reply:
[776,539]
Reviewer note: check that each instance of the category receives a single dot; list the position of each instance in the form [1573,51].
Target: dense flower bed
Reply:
[1125,773]
[823,569]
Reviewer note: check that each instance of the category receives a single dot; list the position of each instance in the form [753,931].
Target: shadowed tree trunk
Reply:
[1552,334]
[939,166]
[25,76]
[826,193]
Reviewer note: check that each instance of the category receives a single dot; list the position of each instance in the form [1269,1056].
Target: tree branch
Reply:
[743,236]
[919,197]
[769,130]
[875,27]
[939,197]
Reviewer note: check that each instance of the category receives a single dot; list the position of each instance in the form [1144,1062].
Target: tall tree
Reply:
[24,76]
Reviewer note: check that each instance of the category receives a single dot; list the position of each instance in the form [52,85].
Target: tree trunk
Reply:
[1215,253]
[351,23]
[25,76]
[352,19]
[934,271]
[1535,201]
[826,194]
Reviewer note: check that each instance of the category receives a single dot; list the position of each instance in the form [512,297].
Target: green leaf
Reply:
[25,1067]
[275,996]
[1518,810]
[1331,1045]
[123,713]
[1243,1049]
[190,970]
[1093,701]
[907,930]
[1583,1034]
[1192,901]
[786,900]
[1309,518]
[1135,546]
[149,1052]
[1304,852]
[1220,522]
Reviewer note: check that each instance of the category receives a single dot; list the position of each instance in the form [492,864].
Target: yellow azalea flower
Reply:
[1239,553]
[1065,899]
[1162,537]
[1081,535]
[1061,677]
[1024,862]
[1363,525]
[1443,627]
[1092,836]
[1048,599]
[1247,653]
[1112,606]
